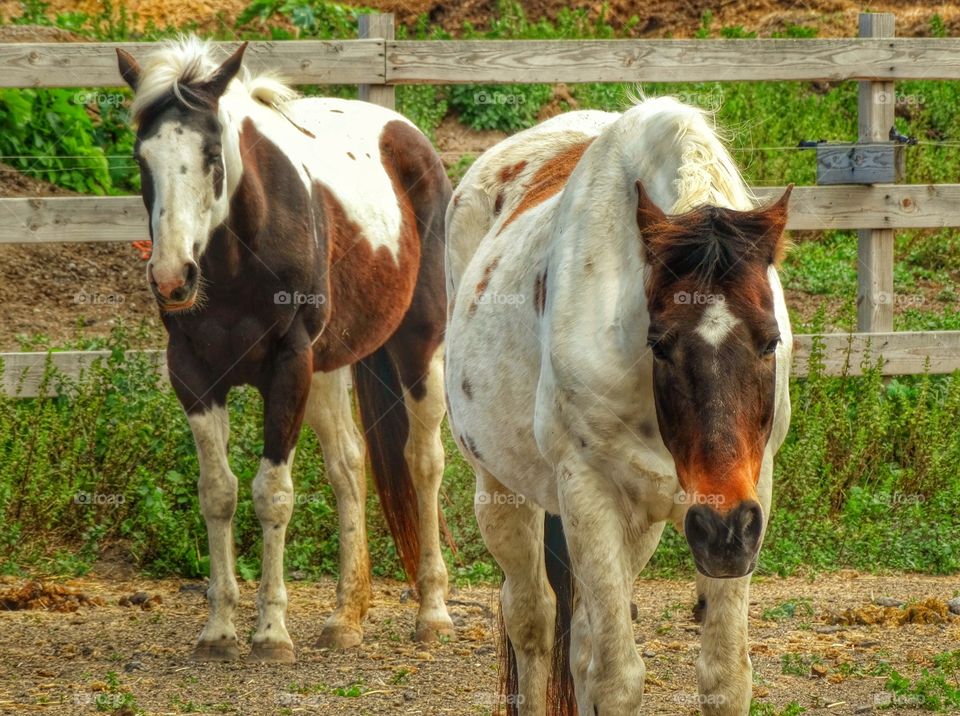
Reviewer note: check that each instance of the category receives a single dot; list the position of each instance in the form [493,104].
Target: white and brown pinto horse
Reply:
[617,354]
[292,239]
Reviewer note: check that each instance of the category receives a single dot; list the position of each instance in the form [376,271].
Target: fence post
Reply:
[875,110]
[380,27]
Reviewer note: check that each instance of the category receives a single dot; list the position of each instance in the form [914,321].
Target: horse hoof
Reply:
[435,631]
[339,637]
[273,653]
[216,651]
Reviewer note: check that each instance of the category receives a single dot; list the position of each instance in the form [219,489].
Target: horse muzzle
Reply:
[175,290]
[725,545]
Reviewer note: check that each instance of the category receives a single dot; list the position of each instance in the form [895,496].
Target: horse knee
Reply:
[273,493]
[218,494]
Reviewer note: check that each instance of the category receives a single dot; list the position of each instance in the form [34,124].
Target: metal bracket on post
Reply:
[875,108]
[378,27]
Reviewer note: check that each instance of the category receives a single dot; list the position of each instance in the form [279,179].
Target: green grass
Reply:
[865,479]
[762,709]
[935,689]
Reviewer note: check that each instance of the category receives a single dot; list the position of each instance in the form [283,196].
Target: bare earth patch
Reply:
[66,663]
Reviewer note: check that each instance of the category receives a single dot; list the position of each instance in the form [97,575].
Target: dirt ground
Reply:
[74,662]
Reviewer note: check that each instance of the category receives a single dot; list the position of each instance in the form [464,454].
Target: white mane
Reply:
[190,60]
[706,173]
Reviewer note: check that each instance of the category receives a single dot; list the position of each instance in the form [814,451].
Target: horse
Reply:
[617,357]
[297,241]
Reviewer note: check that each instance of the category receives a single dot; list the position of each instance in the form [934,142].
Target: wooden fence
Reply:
[378,63]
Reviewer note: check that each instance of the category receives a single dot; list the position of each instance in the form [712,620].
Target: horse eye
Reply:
[213,152]
[771,347]
[659,349]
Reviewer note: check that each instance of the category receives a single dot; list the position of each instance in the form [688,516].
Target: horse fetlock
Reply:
[617,691]
[724,692]
[223,598]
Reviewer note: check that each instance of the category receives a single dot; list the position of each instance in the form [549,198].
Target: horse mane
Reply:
[712,226]
[177,71]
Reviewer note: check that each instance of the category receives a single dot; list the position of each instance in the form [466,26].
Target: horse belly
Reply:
[493,365]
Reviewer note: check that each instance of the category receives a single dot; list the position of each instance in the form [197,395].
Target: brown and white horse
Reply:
[620,367]
[294,238]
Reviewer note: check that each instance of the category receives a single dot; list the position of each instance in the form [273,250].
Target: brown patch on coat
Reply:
[362,320]
[483,284]
[419,177]
[549,179]
[508,173]
[540,292]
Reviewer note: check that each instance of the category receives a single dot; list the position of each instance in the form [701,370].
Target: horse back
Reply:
[513,178]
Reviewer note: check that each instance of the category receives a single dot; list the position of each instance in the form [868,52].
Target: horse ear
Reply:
[648,214]
[776,218]
[217,84]
[129,68]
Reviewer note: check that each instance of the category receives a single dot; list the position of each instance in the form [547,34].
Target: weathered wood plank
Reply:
[122,218]
[873,163]
[412,61]
[904,353]
[23,372]
[882,206]
[94,64]
[72,219]
[549,61]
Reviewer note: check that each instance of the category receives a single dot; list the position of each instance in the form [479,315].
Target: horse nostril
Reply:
[699,525]
[750,527]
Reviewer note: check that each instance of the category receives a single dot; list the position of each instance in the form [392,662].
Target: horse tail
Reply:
[561,699]
[385,429]
[509,674]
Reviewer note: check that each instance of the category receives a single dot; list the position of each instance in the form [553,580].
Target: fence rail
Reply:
[881,206]
[378,63]
[935,352]
[391,62]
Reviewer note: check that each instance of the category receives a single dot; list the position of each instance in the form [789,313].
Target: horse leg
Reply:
[204,400]
[581,649]
[613,682]
[218,502]
[330,413]
[284,403]
[724,670]
[512,529]
[424,457]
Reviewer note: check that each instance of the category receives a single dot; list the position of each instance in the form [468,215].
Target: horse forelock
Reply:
[709,245]
[176,74]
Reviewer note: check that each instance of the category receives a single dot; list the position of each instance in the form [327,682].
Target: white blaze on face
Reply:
[716,323]
[185,208]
